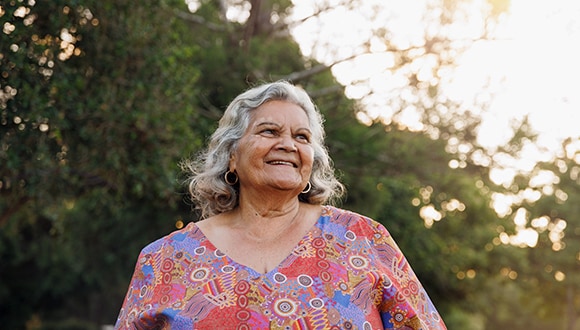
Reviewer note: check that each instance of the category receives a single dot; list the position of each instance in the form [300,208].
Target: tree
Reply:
[550,210]
[101,107]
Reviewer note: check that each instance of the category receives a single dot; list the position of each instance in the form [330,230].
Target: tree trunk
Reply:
[259,21]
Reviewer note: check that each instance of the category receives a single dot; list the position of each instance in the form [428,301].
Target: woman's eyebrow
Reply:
[304,129]
[268,123]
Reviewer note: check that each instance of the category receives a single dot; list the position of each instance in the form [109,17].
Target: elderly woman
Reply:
[270,253]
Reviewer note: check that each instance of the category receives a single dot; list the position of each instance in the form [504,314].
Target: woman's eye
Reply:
[268,131]
[303,137]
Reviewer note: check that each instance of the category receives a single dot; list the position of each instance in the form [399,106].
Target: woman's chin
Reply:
[288,187]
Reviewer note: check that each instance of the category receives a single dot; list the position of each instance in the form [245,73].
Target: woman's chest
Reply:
[317,282]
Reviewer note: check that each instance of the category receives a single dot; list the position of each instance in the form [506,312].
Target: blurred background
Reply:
[453,122]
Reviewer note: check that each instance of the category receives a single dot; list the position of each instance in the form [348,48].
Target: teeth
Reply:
[279,162]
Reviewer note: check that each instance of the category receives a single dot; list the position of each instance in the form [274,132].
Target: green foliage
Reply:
[90,144]
[554,262]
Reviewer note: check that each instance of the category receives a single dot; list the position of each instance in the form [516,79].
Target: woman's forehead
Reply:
[279,112]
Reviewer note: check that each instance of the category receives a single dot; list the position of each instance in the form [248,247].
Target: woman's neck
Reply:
[265,220]
[267,204]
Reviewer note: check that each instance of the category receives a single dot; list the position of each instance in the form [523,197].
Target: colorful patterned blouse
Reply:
[346,273]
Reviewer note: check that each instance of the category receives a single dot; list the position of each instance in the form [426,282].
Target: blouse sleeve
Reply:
[405,303]
[139,307]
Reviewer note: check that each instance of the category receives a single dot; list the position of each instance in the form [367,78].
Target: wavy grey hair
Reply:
[206,183]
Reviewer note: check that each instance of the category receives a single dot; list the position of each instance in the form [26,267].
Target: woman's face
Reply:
[275,152]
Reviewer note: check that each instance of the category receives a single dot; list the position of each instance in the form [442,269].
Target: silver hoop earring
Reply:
[228,178]
[307,188]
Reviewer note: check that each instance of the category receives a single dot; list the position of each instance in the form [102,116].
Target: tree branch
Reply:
[192,18]
[198,20]
[297,76]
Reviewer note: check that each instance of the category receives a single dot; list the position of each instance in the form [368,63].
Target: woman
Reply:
[269,253]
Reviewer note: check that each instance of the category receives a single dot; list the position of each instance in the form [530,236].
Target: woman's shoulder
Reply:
[177,237]
[354,221]
[346,215]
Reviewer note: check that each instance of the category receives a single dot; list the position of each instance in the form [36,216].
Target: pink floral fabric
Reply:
[346,273]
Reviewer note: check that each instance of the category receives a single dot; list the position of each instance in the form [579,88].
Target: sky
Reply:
[536,57]
[531,68]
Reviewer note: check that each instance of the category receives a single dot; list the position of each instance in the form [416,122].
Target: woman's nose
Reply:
[287,143]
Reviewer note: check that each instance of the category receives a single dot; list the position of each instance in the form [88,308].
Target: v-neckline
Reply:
[254,273]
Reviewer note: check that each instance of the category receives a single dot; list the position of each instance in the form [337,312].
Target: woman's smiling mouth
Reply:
[281,162]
